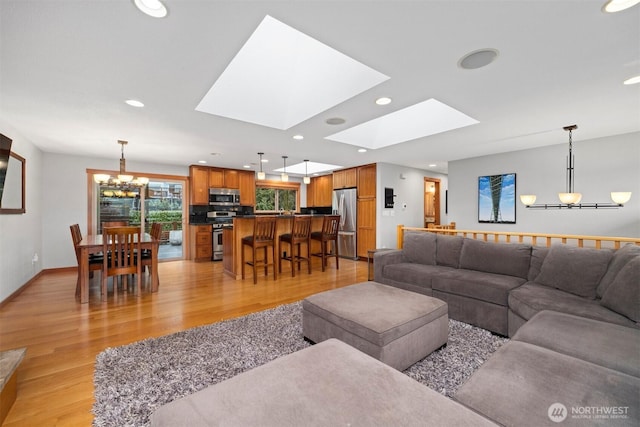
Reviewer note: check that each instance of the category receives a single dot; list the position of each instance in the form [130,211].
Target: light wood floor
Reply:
[63,337]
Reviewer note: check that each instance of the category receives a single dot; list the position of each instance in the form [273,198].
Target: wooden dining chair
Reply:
[123,246]
[264,230]
[95,261]
[114,224]
[329,233]
[300,234]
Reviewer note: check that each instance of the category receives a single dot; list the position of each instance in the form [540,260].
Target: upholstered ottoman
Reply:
[328,384]
[395,326]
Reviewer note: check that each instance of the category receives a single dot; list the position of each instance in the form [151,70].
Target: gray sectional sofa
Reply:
[499,286]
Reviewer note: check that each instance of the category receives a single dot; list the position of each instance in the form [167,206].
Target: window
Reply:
[274,196]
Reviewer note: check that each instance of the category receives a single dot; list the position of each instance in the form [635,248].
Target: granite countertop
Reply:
[9,361]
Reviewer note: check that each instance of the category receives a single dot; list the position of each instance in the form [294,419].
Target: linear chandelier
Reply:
[123,180]
[570,199]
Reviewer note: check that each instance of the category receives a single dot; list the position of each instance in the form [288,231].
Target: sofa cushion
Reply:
[530,298]
[482,286]
[512,259]
[448,250]
[538,254]
[575,270]
[603,343]
[420,247]
[623,295]
[415,274]
[328,384]
[521,381]
[620,258]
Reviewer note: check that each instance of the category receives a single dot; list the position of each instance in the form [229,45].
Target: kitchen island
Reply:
[243,226]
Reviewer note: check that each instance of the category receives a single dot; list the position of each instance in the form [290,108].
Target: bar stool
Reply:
[300,233]
[329,233]
[264,230]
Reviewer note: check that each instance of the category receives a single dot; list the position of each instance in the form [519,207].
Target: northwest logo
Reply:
[557,412]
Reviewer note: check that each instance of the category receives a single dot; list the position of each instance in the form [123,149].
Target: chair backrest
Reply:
[123,246]
[330,226]
[156,230]
[301,228]
[264,228]
[114,224]
[76,237]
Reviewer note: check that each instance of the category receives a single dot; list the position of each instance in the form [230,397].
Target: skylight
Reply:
[282,77]
[312,167]
[426,118]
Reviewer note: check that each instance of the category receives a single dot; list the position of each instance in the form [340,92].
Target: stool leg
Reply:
[324,254]
[309,255]
[255,270]
[242,258]
[280,257]
[273,251]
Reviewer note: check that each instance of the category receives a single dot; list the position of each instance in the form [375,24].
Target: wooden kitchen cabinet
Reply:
[201,243]
[366,224]
[231,178]
[216,178]
[247,185]
[199,185]
[367,181]
[345,178]
[319,191]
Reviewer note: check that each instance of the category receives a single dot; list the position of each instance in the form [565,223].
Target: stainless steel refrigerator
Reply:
[345,204]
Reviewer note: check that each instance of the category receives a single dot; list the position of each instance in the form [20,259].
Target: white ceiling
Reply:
[66,68]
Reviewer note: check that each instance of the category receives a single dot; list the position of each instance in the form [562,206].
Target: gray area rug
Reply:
[133,380]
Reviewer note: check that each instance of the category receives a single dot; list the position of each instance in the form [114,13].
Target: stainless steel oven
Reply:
[224,197]
[219,219]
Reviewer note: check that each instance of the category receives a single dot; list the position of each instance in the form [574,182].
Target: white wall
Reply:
[409,190]
[21,234]
[64,200]
[601,166]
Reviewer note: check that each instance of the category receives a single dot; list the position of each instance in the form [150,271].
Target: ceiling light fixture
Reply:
[618,5]
[261,174]
[152,8]
[632,80]
[283,176]
[334,121]
[362,150]
[202,162]
[383,101]
[306,178]
[478,59]
[134,103]
[298,137]
[571,199]
[123,180]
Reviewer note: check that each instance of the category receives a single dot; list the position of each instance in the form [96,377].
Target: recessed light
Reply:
[202,161]
[298,137]
[152,8]
[383,101]
[478,59]
[247,166]
[632,80]
[215,154]
[335,121]
[432,165]
[618,5]
[362,150]
[134,103]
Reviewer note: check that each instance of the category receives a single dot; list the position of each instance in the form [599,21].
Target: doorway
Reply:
[431,201]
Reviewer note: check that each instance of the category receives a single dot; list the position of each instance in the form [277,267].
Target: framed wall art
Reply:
[497,199]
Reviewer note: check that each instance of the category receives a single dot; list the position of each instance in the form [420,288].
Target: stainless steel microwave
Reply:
[224,197]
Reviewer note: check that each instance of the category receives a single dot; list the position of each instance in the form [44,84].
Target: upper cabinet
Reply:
[199,185]
[367,181]
[203,178]
[345,178]
[247,185]
[319,191]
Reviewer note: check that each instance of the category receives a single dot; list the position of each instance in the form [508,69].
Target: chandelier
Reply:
[261,174]
[122,180]
[306,179]
[283,176]
[570,199]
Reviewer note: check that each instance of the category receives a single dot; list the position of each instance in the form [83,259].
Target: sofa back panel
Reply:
[573,269]
[623,295]
[448,250]
[538,254]
[512,259]
[420,247]
[620,258]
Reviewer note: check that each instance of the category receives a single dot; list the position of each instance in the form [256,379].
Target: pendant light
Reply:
[261,174]
[571,199]
[306,178]
[123,179]
[284,177]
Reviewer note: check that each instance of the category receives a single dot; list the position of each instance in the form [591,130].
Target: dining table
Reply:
[93,243]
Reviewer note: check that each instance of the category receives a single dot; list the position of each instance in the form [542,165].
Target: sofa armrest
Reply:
[382,258]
